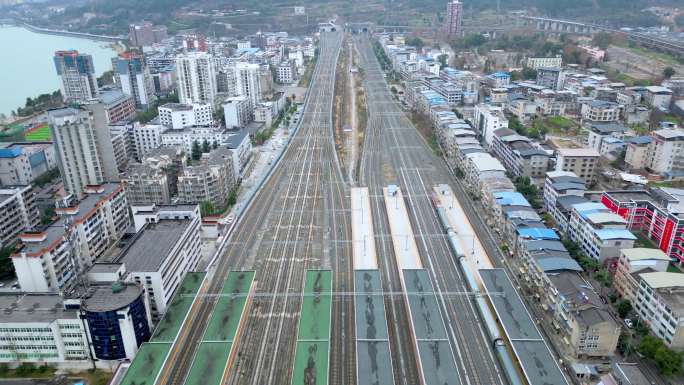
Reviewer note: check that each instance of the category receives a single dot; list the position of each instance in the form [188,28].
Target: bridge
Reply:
[571,26]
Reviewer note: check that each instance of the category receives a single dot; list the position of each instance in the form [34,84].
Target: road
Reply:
[299,220]
[395,153]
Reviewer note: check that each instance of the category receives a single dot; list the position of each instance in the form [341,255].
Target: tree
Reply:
[623,308]
[205,146]
[6,265]
[214,145]
[529,73]
[474,40]
[602,40]
[196,150]
[415,41]
[668,72]
[206,208]
[668,361]
[443,58]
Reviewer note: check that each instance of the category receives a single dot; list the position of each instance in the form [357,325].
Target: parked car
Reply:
[629,323]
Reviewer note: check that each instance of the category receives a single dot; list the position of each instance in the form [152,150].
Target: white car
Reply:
[629,323]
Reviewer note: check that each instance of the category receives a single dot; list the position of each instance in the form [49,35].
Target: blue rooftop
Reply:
[640,139]
[507,198]
[607,234]
[558,263]
[587,208]
[538,233]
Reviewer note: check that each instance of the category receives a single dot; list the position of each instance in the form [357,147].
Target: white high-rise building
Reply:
[84,147]
[133,76]
[247,79]
[77,75]
[178,116]
[196,78]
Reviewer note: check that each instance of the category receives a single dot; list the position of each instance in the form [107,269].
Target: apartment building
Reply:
[659,305]
[453,20]
[285,72]
[658,97]
[186,137]
[583,162]
[540,62]
[237,112]
[517,153]
[118,106]
[211,181]
[601,111]
[22,162]
[636,152]
[575,309]
[147,137]
[591,330]
[487,119]
[83,145]
[51,259]
[133,76]
[631,264]
[484,176]
[599,132]
[196,74]
[657,213]
[550,77]
[562,189]
[165,247]
[155,179]
[600,233]
[666,152]
[179,116]
[18,212]
[76,72]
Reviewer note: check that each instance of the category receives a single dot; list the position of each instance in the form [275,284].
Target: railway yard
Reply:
[329,279]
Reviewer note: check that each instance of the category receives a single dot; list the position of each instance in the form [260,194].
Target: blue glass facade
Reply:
[105,332]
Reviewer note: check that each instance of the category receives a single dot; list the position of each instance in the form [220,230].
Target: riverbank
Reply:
[83,35]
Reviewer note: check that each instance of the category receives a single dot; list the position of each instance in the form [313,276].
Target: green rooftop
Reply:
[311,363]
[314,322]
[311,356]
[226,314]
[146,364]
[209,363]
[169,326]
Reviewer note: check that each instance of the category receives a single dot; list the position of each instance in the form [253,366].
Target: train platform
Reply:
[212,358]
[147,363]
[405,248]
[313,338]
[436,359]
[536,360]
[363,237]
[373,360]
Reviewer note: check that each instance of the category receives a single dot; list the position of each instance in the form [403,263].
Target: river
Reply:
[26,65]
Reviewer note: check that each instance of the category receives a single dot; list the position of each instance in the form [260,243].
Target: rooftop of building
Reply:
[670,133]
[566,203]
[110,297]
[605,218]
[585,152]
[34,307]
[659,280]
[580,298]
[613,234]
[112,96]
[149,248]
[177,106]
[485,162]
[607,128]
[537,233]
[643,253]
